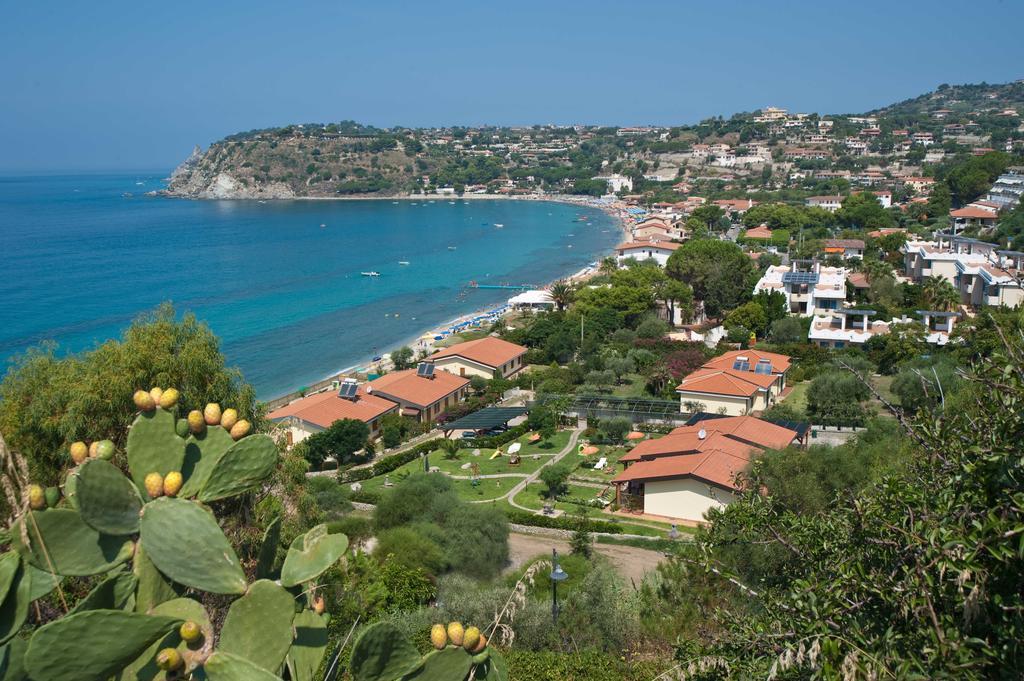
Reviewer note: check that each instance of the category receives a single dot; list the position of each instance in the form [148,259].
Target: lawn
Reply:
[484,489]
[551,446]
[797,399]
[534,496]
[633,385]
[487,465]
[611,452]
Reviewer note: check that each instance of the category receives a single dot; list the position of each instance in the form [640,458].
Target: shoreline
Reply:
[614,209]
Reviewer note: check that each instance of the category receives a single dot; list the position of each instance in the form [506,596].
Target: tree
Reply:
[719,272]
[652,327]
[47,402]
[581,544]
[774,304]
[709,215]
[834,399]
[340,441]
[615,429]
[787,330]
[554,477]
[938,294]
[402,357]
[750,317]
[864,211]
[561,293]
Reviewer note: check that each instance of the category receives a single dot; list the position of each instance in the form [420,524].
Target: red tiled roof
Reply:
[489,351]
[325,408]
[780,363]
[759,232]
[419,390]
[972,212]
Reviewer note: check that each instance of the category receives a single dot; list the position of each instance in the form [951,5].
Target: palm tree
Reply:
[562,293]
[938,294]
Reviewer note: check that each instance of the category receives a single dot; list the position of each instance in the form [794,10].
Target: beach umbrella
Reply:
[589,450]
[534,437]
[635,435]
[515,447]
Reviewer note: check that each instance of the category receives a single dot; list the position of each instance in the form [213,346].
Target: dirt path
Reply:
[630,562]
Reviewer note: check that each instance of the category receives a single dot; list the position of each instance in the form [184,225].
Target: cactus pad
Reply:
[9,564]
[185,543]
[75,549]
[110,594]
[244,466]
[268,549]
[443,665]
[202,452]
[153,588]
[95,644]
[311,554]
[154,446]
[223,666]
[107,501]
[69,488]
[13,668]
[309,646]
[383,653]
[43,582]
[14,610]
[258,626]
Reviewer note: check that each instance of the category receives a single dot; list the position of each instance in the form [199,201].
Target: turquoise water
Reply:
[278,281]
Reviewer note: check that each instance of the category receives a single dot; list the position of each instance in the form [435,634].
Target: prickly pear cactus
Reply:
[382,653]
[151,543]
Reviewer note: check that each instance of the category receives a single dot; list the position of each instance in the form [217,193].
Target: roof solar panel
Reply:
[425,369]
[763,366]
[800,278]
[348,390]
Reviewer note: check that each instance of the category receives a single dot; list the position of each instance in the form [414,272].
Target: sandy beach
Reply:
[426,340]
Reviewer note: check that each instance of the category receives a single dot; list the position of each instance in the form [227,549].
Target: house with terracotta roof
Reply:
[736,383]
[761,233]
[488,358]
[315,413]
[971,216]
[831,203]
[652,229]
[844,248]
[421,395]
[695,468]
[659,251]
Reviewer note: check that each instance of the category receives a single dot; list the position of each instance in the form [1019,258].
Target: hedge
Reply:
[585,665]
[388,464]
[495,441]
[563,523]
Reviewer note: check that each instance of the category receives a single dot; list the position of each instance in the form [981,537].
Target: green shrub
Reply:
[412,547]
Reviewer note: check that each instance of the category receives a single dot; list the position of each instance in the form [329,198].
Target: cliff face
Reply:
[283,167]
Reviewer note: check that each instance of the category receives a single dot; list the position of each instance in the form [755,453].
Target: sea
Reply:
[279,282]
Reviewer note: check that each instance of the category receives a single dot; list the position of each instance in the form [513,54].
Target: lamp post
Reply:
[557,575]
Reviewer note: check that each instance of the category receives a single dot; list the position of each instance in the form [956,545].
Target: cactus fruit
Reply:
[240,429]
[438,636]
[169,399]
[52,495]
[144,401]
[169,525]
[181,428]
[94,449]
[172,484]
[154,485]
[79,452]
[456,633]
[105,450]
[228,419]
[156,394]
[470,638]
[196,423]
[153,446]
[318,605]
[168,659]
[190,632]
[211,414]
[480,645]
[36,498]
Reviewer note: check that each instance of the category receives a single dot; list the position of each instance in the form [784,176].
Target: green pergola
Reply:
[488,417]
[606,406]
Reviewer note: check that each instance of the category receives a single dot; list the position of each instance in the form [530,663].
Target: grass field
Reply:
[798,398]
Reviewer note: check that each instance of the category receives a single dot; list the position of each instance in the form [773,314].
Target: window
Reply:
[840,345]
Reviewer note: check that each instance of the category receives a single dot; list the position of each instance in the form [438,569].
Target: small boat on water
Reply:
[370,274]
[403,262]
[499,225]
[322,225]
[451,248]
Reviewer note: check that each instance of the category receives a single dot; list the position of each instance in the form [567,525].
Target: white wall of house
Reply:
[650,253]
[733,406]
[465,367]
[684,498]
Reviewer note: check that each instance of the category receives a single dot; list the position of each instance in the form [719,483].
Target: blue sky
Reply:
[134,85]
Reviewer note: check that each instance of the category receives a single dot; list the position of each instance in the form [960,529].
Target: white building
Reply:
[816,291]
[617,183]
[659,251]
[829,203]
[843,328]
